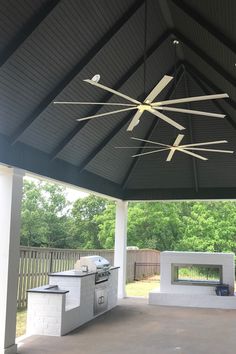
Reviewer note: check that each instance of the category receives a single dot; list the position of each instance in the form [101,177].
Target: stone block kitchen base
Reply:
[69,301]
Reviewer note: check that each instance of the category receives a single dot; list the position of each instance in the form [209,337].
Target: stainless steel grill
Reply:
[97,264]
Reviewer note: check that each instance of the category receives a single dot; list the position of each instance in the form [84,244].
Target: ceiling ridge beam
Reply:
[27,30]
[213,30]
[199,79]
[168,19]
[153,126]
[93,52]
[101,146]
[191,135]
[211,62]
[62,145]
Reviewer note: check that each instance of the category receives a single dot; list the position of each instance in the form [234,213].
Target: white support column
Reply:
[11,181]
[120,245]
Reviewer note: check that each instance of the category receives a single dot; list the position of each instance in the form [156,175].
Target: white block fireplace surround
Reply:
[175,291]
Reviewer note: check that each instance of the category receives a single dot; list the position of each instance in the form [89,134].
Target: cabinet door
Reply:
[100,300]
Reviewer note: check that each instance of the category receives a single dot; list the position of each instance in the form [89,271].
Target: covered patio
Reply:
[48,48]
[136,328]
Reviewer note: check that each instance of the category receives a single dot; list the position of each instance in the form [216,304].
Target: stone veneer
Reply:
[57,313]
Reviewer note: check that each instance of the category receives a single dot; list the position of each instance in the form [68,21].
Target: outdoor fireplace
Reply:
[196,274]
[191,278]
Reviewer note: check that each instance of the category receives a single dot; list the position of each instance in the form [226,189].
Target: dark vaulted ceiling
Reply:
[49,46]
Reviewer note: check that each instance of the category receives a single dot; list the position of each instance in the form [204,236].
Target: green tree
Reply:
[154,225]
[150,225]
[45,215]
[211,226]
[48,220]
[85,225]
[32,228]
[106,225]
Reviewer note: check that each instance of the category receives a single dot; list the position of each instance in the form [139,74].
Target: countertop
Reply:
[75,273]
[48,289]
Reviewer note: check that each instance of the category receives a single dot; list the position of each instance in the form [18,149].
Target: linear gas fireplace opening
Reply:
[196,274]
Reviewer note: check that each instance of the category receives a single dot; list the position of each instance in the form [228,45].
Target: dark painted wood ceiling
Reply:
[49,47]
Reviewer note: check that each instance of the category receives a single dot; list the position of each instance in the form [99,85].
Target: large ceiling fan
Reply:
[186,149]
[154,108]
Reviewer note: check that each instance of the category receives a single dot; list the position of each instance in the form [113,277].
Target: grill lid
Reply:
[92,264]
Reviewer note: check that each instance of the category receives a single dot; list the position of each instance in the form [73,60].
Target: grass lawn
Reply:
[20,323]
[142,287]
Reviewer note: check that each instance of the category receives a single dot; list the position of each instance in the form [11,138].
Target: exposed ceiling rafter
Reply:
[201,79]
[191,135]
[207,26]
[61,146]
[105,141]
[27,29]
[56,156]
[76,70]
[204,56]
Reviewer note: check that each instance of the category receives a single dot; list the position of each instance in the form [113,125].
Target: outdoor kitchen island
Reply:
[71,299]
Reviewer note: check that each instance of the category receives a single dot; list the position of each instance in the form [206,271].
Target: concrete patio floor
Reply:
[135,327]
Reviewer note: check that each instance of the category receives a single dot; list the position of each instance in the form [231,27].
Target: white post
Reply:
[11,181]
[120,245]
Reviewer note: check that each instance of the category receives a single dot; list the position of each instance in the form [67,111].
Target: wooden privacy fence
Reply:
[36,263]
[145,270]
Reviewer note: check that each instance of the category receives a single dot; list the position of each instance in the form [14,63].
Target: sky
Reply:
[72,193]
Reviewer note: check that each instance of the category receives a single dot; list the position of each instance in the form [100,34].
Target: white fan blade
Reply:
[95,103]
[134,121]
[137,147]
[171,154]
[151,142]
[112,91]
[211,150]
[192,99]
[166,119]
[192,154]
[150,152]
[190,111]
[105,114]
[158,88]
[207,143]
[178,140]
